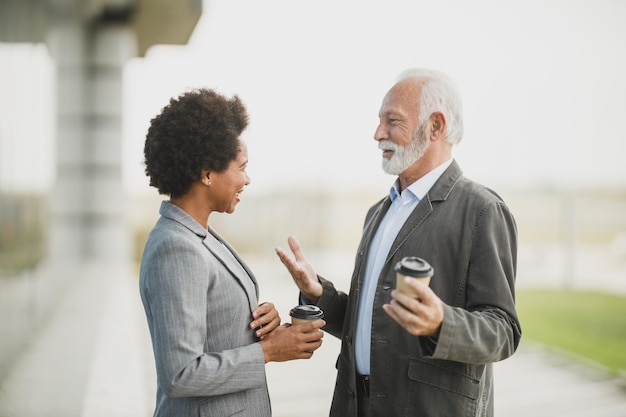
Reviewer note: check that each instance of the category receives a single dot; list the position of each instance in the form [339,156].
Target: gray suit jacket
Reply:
[469,236]
[198,296]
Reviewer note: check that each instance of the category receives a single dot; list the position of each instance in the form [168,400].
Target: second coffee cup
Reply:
[414,267]
[304,313]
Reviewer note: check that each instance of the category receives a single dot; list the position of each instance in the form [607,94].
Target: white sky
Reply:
[542,81]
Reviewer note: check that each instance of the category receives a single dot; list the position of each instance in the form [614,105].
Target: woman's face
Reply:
[227,185]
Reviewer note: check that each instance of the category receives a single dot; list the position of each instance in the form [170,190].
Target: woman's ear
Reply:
[205,177]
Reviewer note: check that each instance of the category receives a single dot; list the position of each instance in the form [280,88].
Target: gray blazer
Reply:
[198,296]
[469,236]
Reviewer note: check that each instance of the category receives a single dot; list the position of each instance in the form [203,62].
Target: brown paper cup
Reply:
[415,268]
[304,313]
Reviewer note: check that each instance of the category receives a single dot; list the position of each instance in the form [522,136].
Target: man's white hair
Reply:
[439,94]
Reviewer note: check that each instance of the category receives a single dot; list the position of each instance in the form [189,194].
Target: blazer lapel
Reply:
[231,261]
[374,221]
[439,191]
[219,248]
[369,229]
[419,214]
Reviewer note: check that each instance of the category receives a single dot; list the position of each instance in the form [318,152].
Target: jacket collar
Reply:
[173,212]
[440,191]
[214,243]
[444,185]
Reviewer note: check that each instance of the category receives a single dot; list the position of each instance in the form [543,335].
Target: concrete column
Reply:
[67,45]
[89,207]
[108,234]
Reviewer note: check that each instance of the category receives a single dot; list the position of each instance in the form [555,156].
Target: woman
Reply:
[210,337]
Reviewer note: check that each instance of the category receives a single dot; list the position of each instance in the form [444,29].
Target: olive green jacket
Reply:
[466,232]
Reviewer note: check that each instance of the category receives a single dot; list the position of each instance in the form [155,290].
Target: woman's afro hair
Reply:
[198,130]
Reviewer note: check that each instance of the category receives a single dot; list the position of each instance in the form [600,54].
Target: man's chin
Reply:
[389,169]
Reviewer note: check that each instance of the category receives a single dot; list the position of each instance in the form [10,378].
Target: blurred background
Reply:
[544,98]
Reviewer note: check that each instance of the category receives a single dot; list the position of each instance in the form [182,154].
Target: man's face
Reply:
[401,137]
[402,157]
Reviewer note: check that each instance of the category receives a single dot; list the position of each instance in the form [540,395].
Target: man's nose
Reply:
[380,133]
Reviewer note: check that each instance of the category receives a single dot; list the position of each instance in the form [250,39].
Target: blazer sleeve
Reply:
[487,329]
[333,303]
[175,294]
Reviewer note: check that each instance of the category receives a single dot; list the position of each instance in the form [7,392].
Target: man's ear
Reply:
[437,126]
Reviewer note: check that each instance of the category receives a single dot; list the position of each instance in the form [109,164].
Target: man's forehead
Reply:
[401,99]
[407,88]
[392,108]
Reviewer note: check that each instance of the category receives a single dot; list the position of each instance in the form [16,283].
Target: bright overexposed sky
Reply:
[542,82]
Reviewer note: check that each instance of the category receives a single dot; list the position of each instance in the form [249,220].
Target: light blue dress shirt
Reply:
[402,205]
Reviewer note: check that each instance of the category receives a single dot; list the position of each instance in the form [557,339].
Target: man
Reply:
[430,355]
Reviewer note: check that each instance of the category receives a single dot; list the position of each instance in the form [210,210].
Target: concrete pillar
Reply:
[88,235]
[67,46]
[89,206]
[108,235]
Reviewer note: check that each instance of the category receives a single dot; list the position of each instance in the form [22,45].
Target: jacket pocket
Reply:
[450,376]
[442,388]
[220,406]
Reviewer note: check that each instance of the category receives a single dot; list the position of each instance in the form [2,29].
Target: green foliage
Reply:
[588,324]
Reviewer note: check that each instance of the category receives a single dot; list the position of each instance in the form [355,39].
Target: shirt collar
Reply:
[420,187]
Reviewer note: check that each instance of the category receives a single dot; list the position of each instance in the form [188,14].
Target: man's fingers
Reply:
[418,317]
[408,302]
[391,312]
[289,263]
[284,258]
[294,245]
[421,289]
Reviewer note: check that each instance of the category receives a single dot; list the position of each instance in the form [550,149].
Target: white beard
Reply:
[404,156]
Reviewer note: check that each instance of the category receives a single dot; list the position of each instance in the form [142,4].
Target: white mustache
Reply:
[387,145]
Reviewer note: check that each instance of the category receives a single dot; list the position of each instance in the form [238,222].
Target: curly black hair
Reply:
[198,130]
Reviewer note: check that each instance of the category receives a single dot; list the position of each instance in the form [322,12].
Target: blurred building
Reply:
[63,211]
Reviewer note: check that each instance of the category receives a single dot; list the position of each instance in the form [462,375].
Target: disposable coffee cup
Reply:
[305,313]
[413,267]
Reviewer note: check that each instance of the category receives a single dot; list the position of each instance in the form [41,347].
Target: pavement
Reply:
[94,359]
